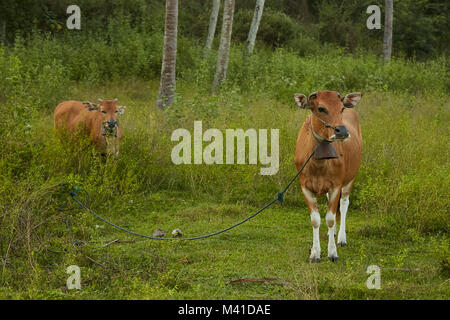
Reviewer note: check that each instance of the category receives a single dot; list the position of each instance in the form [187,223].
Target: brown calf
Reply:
[332,122]
[100,121]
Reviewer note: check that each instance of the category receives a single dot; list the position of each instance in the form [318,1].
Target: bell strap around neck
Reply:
[318,137]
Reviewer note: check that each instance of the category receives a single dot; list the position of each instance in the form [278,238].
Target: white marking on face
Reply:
[333,138]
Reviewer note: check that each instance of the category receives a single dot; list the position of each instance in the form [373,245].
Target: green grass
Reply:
[273,245]
[398,216]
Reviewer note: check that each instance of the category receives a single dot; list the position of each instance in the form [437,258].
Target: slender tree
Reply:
[167,85]
[259,7]
[387,40]
[305,13]
[224,47]
[212,24]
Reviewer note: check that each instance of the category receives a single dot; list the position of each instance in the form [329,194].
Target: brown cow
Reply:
[332,122]
[99,120]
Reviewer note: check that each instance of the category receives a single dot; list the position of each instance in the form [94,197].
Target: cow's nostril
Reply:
[341,131]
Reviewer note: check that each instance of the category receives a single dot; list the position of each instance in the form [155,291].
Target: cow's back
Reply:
[70,114]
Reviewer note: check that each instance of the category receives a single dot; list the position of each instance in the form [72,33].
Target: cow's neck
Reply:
[318,130]
[324,150]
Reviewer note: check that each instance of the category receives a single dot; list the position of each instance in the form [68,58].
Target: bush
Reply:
[275,30]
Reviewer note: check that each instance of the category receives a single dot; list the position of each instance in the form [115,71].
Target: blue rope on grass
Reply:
[279,198]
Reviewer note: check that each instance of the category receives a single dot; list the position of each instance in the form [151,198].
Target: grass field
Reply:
[398,217]
[273,245]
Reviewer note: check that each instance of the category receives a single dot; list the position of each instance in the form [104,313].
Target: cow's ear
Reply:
[121,109]
[90,106]
[301,100]
[352,99]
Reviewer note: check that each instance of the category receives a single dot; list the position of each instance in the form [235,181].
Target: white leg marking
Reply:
[310,196]
[331,222]
[343,205]
[315,250]
[342,238]
[332,196]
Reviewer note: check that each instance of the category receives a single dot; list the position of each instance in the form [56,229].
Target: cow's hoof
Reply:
[314,260]
[333,258]
[342,244]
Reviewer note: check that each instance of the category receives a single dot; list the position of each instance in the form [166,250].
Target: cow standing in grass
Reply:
[100,121]
[332,122]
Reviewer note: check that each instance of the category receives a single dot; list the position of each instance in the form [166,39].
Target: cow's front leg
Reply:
[333,202]
[342,238]
[311,201]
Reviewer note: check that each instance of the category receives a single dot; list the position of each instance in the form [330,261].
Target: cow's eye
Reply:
[103,111]
[323,110]
[342,110]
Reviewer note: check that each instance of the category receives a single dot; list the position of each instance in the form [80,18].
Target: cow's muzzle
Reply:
[111,123]
[340,133]
[110,128]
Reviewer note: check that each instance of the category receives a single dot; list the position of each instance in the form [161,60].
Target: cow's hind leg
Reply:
[313,208]
[345,194]
[333,201]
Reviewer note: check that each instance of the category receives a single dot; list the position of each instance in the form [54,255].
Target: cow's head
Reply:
[328,108]
[110,112]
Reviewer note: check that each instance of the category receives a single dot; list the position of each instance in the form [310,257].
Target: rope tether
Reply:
[280,198]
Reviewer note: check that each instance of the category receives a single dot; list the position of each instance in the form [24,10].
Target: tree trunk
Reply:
[212,24]
[254,27]
[387,40]
[305,14]
[167,85]
[224,47]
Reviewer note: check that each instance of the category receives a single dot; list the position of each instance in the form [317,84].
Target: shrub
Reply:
[275,30]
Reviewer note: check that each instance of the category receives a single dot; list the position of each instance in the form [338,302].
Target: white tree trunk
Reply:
[167,85]
[212,24]
[387,40]
[254,26]
[224,47]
